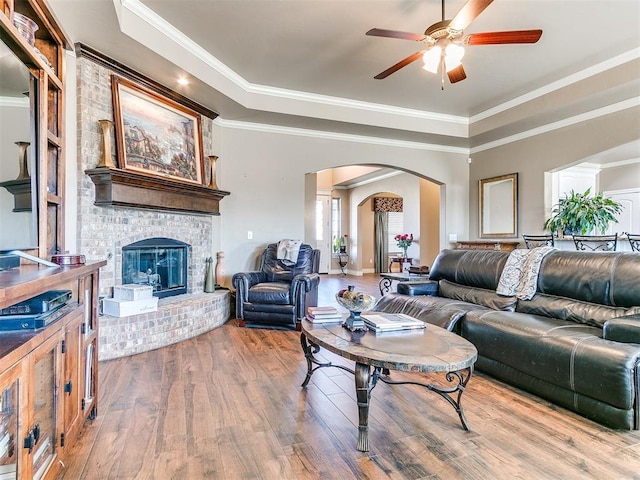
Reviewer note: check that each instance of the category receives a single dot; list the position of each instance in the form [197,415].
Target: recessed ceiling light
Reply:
[183,81]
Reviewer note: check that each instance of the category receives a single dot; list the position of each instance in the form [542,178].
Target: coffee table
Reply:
[433,349]
[386,279]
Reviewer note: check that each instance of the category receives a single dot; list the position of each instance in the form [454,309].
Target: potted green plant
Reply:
[581,213]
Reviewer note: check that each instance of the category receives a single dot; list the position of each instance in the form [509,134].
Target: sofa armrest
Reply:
[242,282]
[623,329]
[304,288]
[306,282]
[429,288]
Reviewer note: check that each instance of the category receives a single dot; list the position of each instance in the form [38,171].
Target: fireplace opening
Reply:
[158,262]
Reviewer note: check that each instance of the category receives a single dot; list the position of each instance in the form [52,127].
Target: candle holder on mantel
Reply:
[23,162]
[20,188]
[212,169]
[105,159]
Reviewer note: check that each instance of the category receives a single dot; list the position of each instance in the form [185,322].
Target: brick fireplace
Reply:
[103,231]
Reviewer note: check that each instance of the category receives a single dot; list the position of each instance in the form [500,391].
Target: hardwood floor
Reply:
[228,405]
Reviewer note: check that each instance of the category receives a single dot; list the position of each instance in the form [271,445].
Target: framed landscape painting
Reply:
[156,135]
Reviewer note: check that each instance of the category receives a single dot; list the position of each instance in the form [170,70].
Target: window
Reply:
[395,225]
[319,221]
[336,221]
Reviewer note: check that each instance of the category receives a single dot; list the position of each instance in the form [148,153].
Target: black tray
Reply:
[43,303]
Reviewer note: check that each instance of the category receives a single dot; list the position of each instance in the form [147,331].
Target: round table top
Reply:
[433,349]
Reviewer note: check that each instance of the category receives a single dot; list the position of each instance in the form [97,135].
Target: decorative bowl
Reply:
[359,302]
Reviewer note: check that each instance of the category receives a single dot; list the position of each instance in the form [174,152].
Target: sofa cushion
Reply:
[479,296]
[573,310]
[418,288]
[623,329]
[607,278]
[475,268]
[277,271]
[270,292]
[443,312]
[562,353]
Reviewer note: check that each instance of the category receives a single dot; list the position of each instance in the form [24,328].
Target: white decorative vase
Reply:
[220,268]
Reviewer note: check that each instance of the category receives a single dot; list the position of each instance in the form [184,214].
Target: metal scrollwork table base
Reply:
[375,355]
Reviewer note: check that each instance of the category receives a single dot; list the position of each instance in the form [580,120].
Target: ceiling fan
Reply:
[445,42]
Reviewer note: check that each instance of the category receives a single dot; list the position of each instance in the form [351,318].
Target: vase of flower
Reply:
[340,244]
[404,241]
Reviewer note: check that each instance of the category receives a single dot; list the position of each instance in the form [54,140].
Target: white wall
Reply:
[406,186]
[532,157]
[265,173]
[14,122]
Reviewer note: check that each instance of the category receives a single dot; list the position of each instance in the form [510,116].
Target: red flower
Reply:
[404,240]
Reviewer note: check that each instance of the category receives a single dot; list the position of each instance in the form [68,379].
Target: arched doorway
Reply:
[423,212]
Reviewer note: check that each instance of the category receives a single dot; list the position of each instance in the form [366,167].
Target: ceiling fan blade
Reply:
[457,74]
[399,65]
[381,32]
[496,38]
[468,13]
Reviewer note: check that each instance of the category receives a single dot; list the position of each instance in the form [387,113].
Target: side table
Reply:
[343,261]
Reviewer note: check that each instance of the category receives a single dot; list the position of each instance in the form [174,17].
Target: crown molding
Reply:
[15,102]
[345,137]
[148,28]
[557,85]
[142,24]
[566,122]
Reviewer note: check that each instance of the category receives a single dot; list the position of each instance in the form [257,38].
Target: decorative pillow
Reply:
[479,296]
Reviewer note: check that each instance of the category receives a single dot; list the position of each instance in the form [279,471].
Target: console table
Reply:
[49,375]
[343,261]
[506,246]
[387,279]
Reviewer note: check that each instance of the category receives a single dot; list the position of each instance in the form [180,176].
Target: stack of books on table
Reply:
[326,314]
[389,322]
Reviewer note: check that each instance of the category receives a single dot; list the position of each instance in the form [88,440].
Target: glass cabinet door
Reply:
[42,432]
[9,412]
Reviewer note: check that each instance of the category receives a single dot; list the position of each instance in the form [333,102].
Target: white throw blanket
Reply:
[520,274]
[288,251]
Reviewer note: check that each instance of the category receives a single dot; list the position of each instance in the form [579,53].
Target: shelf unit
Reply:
[48,376]
[45,60]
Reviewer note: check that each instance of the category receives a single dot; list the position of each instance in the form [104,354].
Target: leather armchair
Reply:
[277,296]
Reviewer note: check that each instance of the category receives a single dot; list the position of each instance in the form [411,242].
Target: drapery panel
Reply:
[380,241]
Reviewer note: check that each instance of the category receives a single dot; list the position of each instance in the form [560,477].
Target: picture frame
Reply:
[156,135]
[499,206]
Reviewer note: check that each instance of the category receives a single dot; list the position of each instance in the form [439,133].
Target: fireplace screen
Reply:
[159,262]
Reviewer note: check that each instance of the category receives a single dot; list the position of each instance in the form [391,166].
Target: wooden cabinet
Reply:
[48,376]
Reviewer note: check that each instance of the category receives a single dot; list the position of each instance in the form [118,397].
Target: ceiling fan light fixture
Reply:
[453,56]
[431,59]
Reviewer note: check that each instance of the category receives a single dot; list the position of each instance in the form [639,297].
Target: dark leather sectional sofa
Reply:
[575,343]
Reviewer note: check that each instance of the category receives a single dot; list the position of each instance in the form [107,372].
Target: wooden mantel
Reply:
[124,188]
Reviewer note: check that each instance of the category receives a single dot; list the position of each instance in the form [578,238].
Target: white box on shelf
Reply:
[132,291]
[124,308]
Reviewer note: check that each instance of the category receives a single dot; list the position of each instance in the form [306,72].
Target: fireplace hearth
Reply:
[158,262]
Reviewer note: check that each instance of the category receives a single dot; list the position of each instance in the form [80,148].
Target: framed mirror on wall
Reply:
[499,206]
[18,158]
